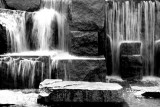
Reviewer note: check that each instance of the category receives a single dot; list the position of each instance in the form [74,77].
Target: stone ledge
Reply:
[52,91]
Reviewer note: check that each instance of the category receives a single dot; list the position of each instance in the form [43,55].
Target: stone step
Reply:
[28,72]
[53,91]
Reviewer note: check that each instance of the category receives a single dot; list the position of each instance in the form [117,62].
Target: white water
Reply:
[49,33]
[130,21]
[51,15]
[14,22]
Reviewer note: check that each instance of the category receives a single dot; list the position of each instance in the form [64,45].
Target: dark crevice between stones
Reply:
[151,95]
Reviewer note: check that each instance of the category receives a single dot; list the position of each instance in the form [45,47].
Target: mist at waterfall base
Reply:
[133,21]
[47,37]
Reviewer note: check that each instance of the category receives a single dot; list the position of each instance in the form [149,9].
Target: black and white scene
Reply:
[77,53]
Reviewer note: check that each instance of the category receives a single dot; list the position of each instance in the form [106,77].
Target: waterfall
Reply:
[49,25]
[49,34]
[14,22]
[131,21]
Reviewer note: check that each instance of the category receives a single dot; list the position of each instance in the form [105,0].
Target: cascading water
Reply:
[14,22]
[47,20]
[48,34]
[131,21]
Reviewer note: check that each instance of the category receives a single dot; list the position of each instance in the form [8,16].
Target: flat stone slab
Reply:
[52,91]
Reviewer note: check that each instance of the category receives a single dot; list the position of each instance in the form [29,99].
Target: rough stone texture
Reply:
[84,43]
[91,69]
[131,60]
[131,67]
[156,58]
[26,5]
[52,91]
[130,48]
[131,73]
[87,15]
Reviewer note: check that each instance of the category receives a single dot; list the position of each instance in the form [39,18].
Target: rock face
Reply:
[130,48]
[84,43]
[53,91]
[131,60]
[93,70]
[87,15]
[26,5]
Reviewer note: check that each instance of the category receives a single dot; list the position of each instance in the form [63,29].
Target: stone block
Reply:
[87,15]
[130,48]
[131,60]
[26,5]
[90,69]
[84,43]
[52,91]
[131,73]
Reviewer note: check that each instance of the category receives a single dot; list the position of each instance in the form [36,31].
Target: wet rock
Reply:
[131,60]
[22,72]
[130,48]
[156,58]
[148,81]
[90,69]
[117,79]
[84,43]
[151,94]
[147,91]
[105,49]
[73,91]
[26,5]
[87,15]
[131,73]
[131,68]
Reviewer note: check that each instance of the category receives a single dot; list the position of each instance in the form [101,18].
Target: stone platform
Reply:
[54,91]
[18,72]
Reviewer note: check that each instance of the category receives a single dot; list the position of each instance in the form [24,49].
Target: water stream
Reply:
[131,21]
